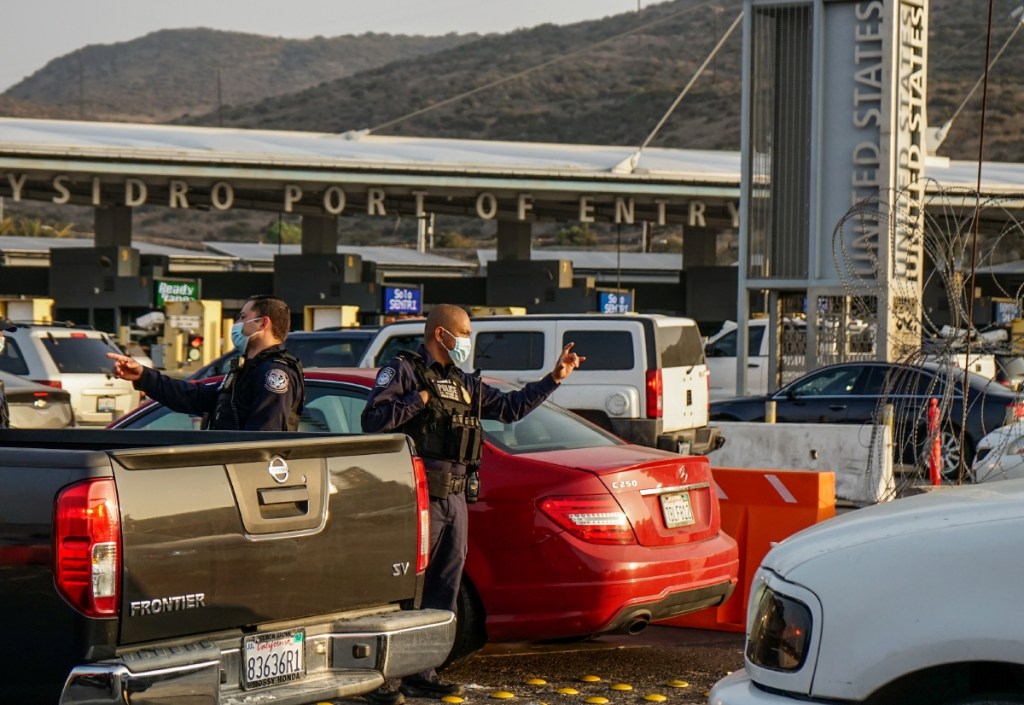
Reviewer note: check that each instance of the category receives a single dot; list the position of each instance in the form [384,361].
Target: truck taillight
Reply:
[87,547]
[593,518]
[423,514]
[654,394]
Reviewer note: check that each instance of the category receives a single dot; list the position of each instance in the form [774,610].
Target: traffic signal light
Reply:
[195,348]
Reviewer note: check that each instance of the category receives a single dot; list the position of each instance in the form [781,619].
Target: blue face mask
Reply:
[238,338]
[462,349]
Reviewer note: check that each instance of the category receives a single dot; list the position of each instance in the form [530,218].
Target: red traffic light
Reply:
[195,341]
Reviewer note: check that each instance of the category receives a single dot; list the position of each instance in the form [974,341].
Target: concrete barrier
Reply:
[759,508]
[860,455]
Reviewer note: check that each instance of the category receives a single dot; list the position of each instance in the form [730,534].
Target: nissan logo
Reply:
[278,469]
[683,475]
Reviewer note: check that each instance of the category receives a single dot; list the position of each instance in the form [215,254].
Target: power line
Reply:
[543,65]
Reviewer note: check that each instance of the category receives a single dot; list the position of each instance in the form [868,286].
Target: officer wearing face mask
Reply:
[425,395]
[263,391]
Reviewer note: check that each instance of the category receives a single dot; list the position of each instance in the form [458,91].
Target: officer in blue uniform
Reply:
[264,390]
[427,396]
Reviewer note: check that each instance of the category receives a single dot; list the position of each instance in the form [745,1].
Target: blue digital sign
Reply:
[614,302]
[403,300]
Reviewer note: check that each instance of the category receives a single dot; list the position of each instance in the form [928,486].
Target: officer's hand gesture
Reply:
[125,367]
[567,362]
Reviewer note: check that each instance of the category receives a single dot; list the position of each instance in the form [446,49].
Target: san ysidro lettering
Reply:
[335,201]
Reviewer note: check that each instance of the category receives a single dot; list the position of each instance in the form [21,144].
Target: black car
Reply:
[342,347]
[856,392]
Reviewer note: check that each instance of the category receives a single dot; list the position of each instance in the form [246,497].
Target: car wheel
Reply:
[470,627]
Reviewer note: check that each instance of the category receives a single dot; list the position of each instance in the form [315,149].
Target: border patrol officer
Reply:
[427,396]
[264,391]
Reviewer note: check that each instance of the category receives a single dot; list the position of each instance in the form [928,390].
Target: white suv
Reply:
[644,378]
[72,358]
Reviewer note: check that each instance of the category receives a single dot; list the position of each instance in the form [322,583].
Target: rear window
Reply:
[504,350]
[11,359]
[328,351]
[679,346]
[604,349]
[395,345]
[79,355]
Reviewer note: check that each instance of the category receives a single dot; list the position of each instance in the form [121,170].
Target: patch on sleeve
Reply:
[385,377]
[276,381]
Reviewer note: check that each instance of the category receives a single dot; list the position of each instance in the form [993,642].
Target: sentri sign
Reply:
[335,200]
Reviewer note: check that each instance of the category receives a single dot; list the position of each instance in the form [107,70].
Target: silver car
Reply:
[72,358]
[32,405]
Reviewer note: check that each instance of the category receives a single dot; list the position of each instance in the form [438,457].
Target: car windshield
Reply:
[77,354]
[336,408]
[328,350]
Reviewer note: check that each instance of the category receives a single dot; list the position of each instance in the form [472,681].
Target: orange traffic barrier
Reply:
[761,507]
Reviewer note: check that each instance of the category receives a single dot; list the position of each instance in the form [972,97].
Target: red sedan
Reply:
[576,533]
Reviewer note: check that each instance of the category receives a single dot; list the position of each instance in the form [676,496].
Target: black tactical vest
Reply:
[449,427]
[227,415]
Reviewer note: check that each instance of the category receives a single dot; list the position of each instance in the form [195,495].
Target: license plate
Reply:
[675,508]
[104,403]
[272,658]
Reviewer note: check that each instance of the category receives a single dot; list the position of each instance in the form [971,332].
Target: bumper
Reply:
[345,659]
[632,619]
[738,689]
[651,432]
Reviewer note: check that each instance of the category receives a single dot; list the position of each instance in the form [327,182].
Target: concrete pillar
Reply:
[699,247]
[319,235]
[514,240]
[112,226]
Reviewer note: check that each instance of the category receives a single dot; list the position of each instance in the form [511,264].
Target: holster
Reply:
[439,483]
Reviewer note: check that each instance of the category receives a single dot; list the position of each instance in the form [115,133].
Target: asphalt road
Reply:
[679,664]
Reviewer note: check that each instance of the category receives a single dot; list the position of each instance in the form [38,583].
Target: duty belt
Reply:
[440,484]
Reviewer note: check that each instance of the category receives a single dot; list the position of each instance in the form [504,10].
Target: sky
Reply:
[36,32]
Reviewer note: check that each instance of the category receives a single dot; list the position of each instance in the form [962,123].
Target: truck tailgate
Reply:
[226,536]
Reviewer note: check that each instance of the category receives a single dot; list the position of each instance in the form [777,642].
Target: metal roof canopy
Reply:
[259,164]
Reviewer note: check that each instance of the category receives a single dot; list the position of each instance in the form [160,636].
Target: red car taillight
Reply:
[87,547]
[423,514]
[654,394]
[593,518]
[55,383]
[1015,411]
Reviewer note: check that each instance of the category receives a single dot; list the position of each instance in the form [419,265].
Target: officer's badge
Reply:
[465,395]
[276,381]
[385,377]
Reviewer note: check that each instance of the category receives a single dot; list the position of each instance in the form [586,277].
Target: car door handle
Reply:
[754,364]
[837,407]
[284,495]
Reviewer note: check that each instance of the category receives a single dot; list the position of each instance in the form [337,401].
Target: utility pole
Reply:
[220,101]
[81,86]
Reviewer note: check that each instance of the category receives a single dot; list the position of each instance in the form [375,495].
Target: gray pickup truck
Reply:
[151,567]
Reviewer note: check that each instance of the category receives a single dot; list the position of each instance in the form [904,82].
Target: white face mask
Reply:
[460,352]
[3,343]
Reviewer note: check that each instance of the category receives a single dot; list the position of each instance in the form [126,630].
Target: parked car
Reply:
[1000,455]
[645,378]
[576,532]
[32,405]
[854,392]
[73,358]
[342,347]
[911,602]
[1010,370]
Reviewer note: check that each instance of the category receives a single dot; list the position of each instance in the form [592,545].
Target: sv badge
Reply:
[399,569]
